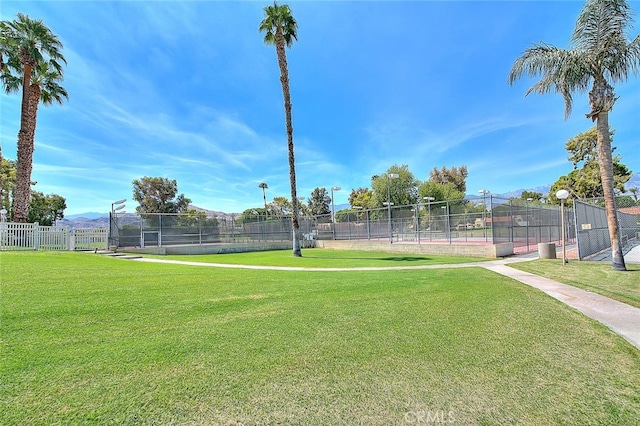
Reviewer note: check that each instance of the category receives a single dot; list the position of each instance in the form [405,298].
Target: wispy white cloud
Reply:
[188,90]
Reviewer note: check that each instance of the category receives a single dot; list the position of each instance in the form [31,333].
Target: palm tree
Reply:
[263,186]
[29,46]
[44,87]
[600,55]
[280,30]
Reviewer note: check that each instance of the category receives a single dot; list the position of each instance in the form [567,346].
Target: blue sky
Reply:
[189,91]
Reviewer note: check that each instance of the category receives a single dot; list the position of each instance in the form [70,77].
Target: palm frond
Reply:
[599,22]
[629,60]
[10,82]
[34,38]
[279,16]
[600,32]
[46,77]
[563,71]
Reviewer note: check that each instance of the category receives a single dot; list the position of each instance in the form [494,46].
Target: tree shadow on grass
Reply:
[386,259]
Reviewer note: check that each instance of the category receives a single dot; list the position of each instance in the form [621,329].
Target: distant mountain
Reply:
[88,215]
[101,220]
[339,207]
[544,190]
[84,222]
[215,213]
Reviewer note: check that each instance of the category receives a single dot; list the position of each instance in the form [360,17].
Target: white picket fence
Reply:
[32,236]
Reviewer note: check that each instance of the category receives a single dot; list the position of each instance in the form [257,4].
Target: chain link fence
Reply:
[593,230]
[165,229]
[481,220]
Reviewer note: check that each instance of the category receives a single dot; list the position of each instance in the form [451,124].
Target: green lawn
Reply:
[88,339]
[597,277]
[323,258]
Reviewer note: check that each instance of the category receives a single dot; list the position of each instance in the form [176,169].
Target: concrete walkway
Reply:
[619,317]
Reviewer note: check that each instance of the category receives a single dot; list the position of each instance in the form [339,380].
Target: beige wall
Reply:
[473,250]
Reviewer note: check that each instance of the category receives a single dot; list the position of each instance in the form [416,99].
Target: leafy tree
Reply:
[280,207]
[193,218]
[440,191]
[634,191]
[7,185]
[347,215]
[253,214]
[454,175]
[158,195]
[361,197]
[33,63]
[303,209]
[600,55]
[535,196]
[585,181]
[280,29]
[625,201]
[402,190]
[319,202]
[46,209]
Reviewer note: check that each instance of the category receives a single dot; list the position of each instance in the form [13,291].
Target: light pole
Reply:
[446,212]
[417,220]
[119,203]
[484,193]
[562,195]
[389,203]
[333,204]
[263,186]
[429,200]
[526,210]
[112,220]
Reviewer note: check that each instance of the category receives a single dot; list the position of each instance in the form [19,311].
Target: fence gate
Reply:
[90,239]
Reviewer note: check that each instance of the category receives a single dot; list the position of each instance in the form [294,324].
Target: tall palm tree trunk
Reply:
[25,153]
[284,80]
[606,172]
[264,198]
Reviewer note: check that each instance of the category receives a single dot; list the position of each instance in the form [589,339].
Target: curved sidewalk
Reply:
[623,319]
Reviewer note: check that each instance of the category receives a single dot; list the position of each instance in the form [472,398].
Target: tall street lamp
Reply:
[120,205]
[263,186]
[526,210]
[446,212]
[389,203]
[484,193]
[562,195]
[333,204]
[115,206]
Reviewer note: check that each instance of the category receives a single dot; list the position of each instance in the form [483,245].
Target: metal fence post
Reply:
[493,239]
